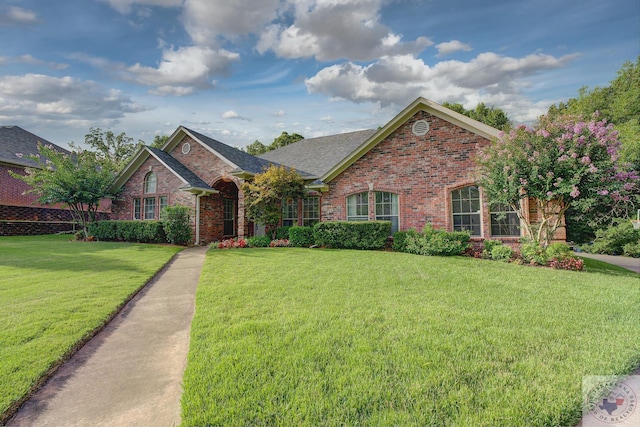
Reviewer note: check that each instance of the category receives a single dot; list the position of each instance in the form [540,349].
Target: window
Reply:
[150,208]
[163,203]
[358,207]
[310,211]
[504,221]
[289,213]
[387,209]
[466,209]
[136,209]
[150,183]
[229,217]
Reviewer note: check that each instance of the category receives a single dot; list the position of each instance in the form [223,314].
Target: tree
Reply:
[256,148]
[264,195]
[619,103]
[159,141]
[491,116]
[558,164]
[77,180]
[113,151]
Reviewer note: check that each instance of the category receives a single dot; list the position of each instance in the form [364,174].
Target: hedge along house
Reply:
[419,168]
[20,212]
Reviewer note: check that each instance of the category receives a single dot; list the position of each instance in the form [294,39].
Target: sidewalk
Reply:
[629,263]
[130,374]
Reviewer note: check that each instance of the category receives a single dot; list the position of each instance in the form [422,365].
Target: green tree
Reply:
[264,195]
[78,181]
[159,141]
[491,116]
[113,151]
[619,103]
[256,148]
[285,139]
[559,164]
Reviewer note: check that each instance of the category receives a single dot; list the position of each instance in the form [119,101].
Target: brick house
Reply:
[417,169]
[20,213]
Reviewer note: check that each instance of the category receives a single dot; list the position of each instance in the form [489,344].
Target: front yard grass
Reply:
[321,337]
[54,293]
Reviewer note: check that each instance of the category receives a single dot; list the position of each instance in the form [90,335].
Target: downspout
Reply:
[202,193]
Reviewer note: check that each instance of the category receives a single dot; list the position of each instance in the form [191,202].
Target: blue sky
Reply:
[249,69]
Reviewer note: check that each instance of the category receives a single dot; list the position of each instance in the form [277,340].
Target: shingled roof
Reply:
[14,139]
[184,173]
[317,156]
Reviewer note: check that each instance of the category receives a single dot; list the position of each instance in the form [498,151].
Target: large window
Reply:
[150,208]
[310,211]
[150,183]
[358,207]
[163,203]
[289,212]
[466,209]
[387,209]
[504,221]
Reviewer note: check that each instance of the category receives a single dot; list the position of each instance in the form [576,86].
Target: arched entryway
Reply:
[219,212]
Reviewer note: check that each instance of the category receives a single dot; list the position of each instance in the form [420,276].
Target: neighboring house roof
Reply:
[191,180]
[318,155]
[14,139]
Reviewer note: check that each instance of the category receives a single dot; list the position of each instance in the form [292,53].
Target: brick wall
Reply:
[421,170]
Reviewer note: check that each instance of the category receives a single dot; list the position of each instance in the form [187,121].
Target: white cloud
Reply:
[125,6]
[330,30]
[206,20]
[232,115]
[448,48]
[490,78]
[278,113]
[36,97]
[31,60]
[14,15]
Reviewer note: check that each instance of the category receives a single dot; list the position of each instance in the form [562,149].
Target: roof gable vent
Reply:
[420,128]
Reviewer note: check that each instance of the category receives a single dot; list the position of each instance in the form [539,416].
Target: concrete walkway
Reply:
[629,263]
[130,374]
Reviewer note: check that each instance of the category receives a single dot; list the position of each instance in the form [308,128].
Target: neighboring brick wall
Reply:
[22,220]
[421,170]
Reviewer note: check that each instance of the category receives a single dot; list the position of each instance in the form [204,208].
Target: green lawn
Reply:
[319,337]
[55,293]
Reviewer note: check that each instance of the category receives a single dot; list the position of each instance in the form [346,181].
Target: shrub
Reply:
[301,237]
[532,252]
[501,253]
[400,239]
[632,250]
[437,242]
[352,235]
[488,247]
[177,224]
[558,250]
[231,244]
[258,241]
[613,239]
[150,232]
[279,243]
[282,232]
[567,263]
[104,230]
[129,231]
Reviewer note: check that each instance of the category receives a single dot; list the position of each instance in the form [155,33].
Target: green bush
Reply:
[301,236]
[532,252]
[129,231]
[613,239]
[282,232]
[259,241]
[437,242]
[558,250]
[632,250]
[177,224]
[352,235]
[501,253]
[488,247]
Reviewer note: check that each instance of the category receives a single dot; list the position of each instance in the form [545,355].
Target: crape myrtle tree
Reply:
[264,195]
[558,164]
[78,180]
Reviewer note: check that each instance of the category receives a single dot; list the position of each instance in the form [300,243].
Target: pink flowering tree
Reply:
[558,164]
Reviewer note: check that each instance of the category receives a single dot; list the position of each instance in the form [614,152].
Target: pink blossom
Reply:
[603,192]
[563,158]
[523,181]
[575,192]
[592,168]
[549,194]
[574,155]
[585,160]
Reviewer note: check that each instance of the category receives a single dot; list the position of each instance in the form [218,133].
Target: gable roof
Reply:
[420,104]
[191,180]
[14,139]
[318,155]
